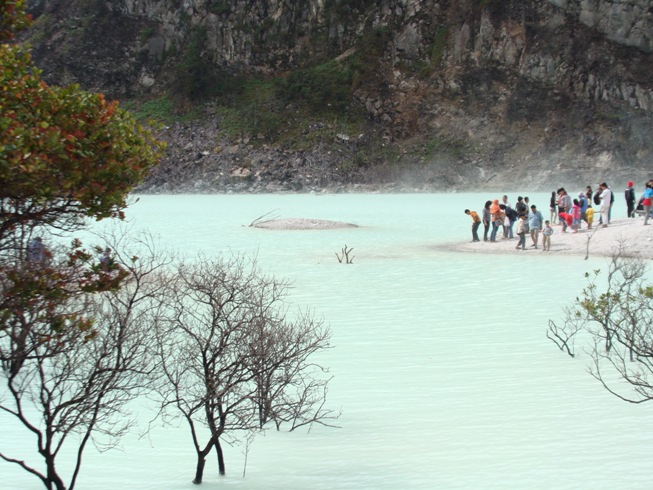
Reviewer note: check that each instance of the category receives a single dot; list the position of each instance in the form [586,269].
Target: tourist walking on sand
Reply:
[486,219]
[582,202]
[575,216]
[476,222]
[564,201]
[546,236]
[605,198]
[507,224]
[565,219]
[589,216]
[553,207]
[647,201]
[511,217]
[521,207]
[534,224]
[522,229]
[630,200]
[596,195]
[496,218]
[611,201]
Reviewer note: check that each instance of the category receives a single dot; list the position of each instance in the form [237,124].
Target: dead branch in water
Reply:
[261,219]
[345,255]
[562,337]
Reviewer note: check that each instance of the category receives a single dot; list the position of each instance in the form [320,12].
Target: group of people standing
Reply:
[499,216]
[646,201]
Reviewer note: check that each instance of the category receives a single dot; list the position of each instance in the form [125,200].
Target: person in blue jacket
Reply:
[535,221]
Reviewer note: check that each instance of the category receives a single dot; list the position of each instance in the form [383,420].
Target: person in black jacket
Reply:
[630,200]
[511,216]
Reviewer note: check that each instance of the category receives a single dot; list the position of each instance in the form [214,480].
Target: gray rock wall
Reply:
[628,22]
[272,35]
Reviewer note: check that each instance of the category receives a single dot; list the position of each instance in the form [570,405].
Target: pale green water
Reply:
[442,367]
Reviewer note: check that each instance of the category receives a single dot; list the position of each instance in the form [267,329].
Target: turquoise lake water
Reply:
[441,363]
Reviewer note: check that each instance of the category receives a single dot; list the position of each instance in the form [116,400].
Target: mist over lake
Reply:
[440,359]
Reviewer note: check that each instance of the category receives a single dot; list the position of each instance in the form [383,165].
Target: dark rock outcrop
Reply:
[468,94]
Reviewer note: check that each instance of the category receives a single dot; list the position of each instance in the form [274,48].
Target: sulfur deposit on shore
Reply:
[635,239]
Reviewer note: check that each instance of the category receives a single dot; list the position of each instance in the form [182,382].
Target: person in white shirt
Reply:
[606,197]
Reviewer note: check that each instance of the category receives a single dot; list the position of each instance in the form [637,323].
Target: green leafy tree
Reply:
[612,322]
[65,154]
[12,18]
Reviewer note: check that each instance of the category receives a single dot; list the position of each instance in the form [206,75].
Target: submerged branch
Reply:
[261,219]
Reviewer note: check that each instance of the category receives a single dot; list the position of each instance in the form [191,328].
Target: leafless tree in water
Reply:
[234,359]
[72,359]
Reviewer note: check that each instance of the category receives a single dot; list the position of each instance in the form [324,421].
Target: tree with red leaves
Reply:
[65,154]
[69,358]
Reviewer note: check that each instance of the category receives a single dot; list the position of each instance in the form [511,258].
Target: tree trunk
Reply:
[53,479]
[218,448]
[199,471]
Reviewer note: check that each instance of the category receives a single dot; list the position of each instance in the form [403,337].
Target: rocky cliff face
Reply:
[626,22]
[496,94]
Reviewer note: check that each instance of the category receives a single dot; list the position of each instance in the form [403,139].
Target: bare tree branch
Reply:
[264,218]
[232,357]
[68,384]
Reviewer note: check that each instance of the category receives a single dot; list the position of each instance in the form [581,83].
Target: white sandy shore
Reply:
[635,238]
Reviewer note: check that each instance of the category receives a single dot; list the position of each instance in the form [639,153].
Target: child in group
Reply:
[547,232]
[522,229]
[589,217]
[575,216]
